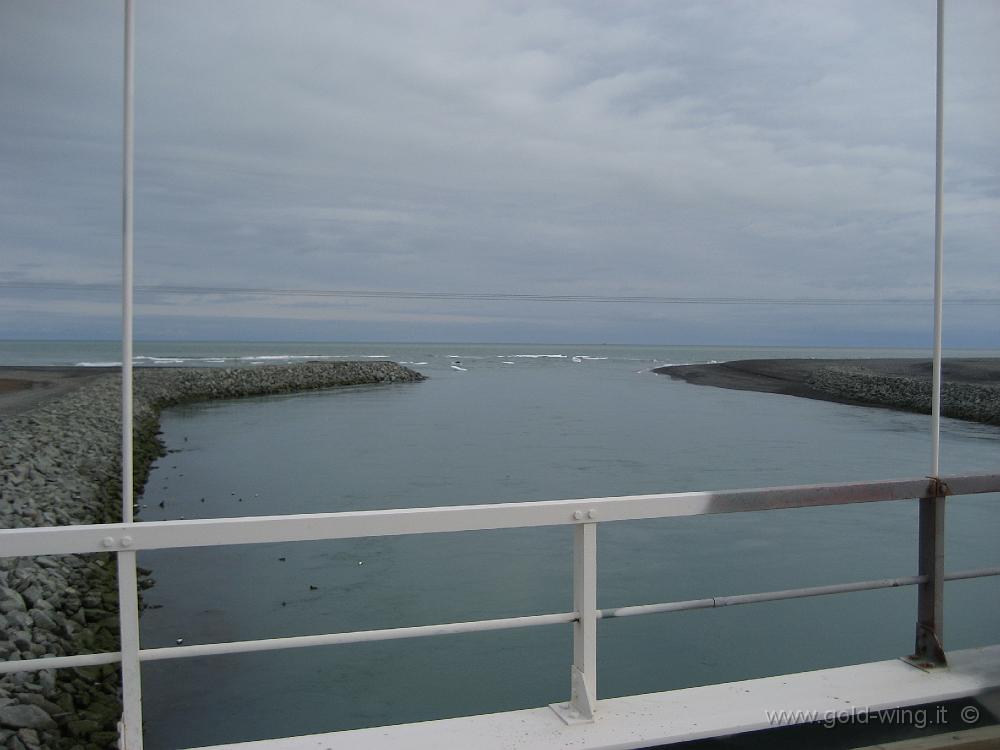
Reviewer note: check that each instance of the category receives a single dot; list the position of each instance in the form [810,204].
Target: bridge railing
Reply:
[583,515]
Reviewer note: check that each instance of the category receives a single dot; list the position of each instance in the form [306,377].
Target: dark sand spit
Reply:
[23,387]
[970,389]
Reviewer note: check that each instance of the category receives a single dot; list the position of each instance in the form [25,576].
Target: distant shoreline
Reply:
[970,390]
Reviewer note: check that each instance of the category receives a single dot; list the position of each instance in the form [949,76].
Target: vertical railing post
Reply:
[128,616]
[928,650]
[583,671]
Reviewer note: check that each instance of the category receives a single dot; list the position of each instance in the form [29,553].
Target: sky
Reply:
[703,150]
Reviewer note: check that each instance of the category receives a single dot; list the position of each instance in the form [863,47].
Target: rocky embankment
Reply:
[970,389]
[974,402]
[59,464]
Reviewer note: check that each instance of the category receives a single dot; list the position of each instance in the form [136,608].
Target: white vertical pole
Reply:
[583,672]
[127,170]
[938,251]
[929,646]
[128,598]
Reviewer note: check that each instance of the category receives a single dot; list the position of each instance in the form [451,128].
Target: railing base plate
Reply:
[570,715]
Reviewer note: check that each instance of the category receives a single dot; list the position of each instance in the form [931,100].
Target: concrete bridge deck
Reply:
[643,721]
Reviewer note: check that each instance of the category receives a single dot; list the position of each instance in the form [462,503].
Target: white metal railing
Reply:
[584,515]
[322,526]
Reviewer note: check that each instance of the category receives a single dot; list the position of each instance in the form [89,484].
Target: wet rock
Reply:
[25,716]
[30,738]
[971,401]
[43,621]
[83,727]
[41,702]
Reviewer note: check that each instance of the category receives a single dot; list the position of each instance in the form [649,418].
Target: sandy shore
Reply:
[971,387]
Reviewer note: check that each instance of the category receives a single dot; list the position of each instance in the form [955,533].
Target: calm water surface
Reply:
[544,427]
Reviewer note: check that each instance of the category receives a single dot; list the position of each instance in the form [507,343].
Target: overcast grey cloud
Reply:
[691,149]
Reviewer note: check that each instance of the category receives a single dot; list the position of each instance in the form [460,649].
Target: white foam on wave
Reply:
[254,359]
[578,360]
[460,369]
[506,362]
[687,364]
[594,358]
[287,357]
[541,356]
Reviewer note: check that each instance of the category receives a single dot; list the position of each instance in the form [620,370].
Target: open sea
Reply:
[514,422]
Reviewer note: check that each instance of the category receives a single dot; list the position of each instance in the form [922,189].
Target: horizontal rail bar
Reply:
[59,662]
[359,636]
[715,602]
[354,524]
[509,623]
[961,575]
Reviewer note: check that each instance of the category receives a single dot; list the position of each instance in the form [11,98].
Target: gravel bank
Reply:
[974,402]
[970,389]
[59,464]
